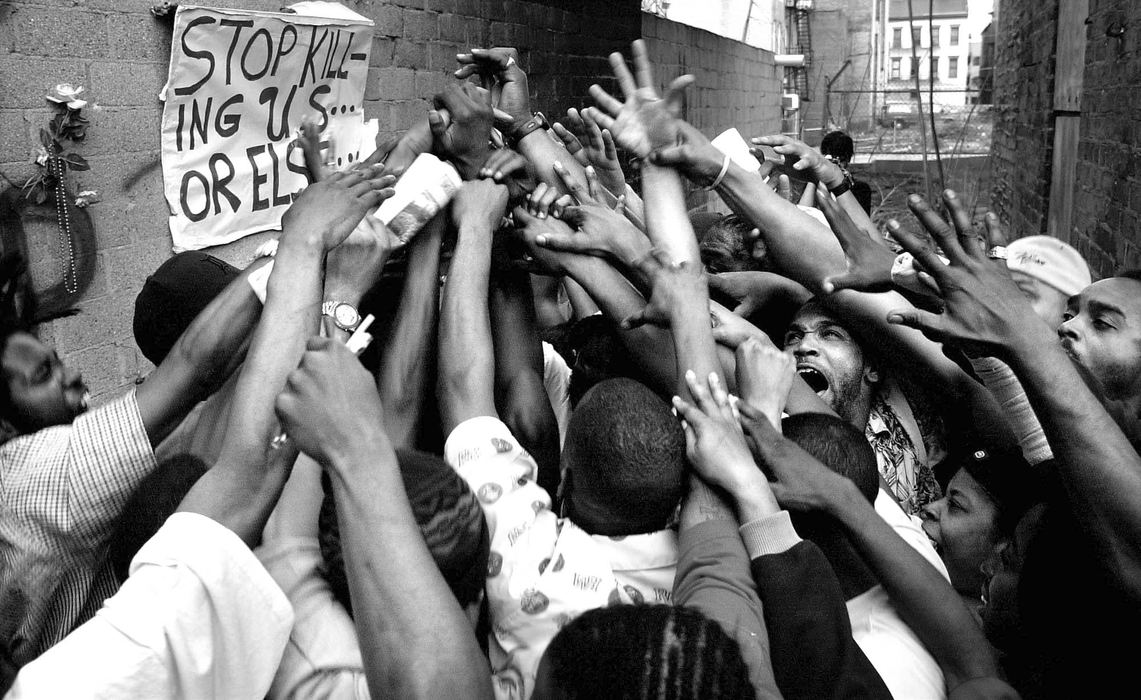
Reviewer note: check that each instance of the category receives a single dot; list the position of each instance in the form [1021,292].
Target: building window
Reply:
[974,60]
[895,74]
[916,36]
[954,35]
[953,67]
[914,69]
[897,38]
[935,31]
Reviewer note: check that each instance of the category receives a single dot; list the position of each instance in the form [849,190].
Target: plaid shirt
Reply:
[62,490]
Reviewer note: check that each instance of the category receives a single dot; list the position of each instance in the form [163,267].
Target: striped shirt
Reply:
[62,490]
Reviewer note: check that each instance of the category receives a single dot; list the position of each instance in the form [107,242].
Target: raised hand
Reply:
[503,76]
[764,376]
[692,154]
[330,209]
[645,121]
[480,203]
[731,330]
[754,290]
[464,136]
[800,481]
[329,404]
[600,231]
[675,288]
[529,228]
[869,263]
[595,148]
[502,163]
[714,441]
[983,308]
[804,158]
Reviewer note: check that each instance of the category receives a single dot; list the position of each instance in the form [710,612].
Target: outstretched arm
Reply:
[410,347]
[332,410]
[466,356]
[520,395]
[924,599]
[1098,467]
[242,488]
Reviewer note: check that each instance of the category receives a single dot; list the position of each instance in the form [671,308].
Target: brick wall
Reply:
[1023,134]
[1107,205]
[1106,225]
[120,52]
[737,85]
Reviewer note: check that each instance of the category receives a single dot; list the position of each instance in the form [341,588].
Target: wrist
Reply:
[753,498]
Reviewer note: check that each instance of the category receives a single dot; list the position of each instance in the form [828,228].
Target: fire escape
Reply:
[798,14]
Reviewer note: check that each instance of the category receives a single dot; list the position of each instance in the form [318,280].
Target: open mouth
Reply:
[813,378]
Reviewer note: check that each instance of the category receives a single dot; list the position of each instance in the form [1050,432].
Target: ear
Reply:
[871,374]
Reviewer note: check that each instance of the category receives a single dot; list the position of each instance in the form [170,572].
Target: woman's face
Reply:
[963,525]
[1003,572]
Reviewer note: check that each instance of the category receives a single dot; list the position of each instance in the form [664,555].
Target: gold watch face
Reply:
[346,316]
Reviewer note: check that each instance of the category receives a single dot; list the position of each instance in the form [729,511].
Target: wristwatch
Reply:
[344,314]
[537,121]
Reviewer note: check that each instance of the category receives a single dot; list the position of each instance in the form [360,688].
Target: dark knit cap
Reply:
[173,296]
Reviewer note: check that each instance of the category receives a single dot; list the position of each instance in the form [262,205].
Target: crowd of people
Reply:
[600,447]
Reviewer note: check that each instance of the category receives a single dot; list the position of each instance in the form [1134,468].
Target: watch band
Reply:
[537,121]
[841,188]
[329,308]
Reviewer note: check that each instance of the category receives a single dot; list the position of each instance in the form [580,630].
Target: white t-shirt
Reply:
[198,618]
[544,571]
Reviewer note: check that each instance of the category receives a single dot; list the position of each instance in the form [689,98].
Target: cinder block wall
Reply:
[120,52]
[737,84]
[1107,203]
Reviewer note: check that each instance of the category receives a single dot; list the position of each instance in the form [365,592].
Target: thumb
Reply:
[671,155]
[930,324]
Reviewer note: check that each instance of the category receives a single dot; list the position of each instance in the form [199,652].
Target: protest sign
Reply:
[240,85]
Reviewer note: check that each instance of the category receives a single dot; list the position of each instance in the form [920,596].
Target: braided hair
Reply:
[646,651]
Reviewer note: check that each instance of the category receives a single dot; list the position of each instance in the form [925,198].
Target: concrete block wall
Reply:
[737,84]
[1023,135]
[1107,205]
[120,52]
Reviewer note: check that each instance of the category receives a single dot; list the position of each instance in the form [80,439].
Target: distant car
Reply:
[900,114]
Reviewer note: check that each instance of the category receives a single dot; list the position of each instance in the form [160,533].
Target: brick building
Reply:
[1066,157]
[119,51]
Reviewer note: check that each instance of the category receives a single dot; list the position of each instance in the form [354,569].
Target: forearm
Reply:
[520,397]
[541,151]
[924,599]
[466,359]
[394,581]
[805,250]
[702,503]
[581,303]
[1098,467]
[203,357]
[667,221]
[409,347]
[650,347]
[241,490]
[693,343]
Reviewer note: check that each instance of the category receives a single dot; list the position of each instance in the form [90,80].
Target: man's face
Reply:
[829,360]
[963,526]
[1101,331]
[43,391]
[1049,304]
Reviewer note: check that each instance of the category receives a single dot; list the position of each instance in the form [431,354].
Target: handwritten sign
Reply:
[240,85]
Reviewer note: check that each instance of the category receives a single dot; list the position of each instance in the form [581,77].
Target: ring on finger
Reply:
[997,252]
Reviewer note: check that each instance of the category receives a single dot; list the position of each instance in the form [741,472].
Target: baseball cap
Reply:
[173,296]
[1051,261]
